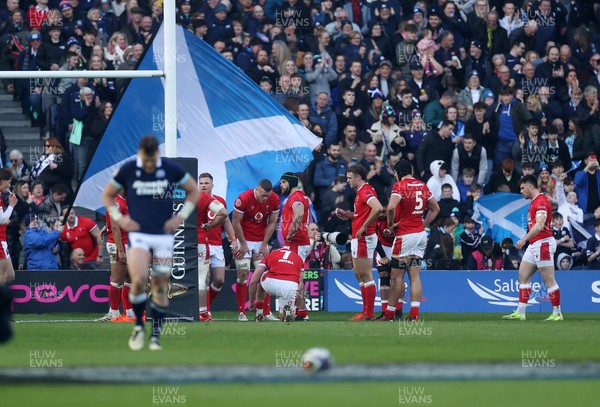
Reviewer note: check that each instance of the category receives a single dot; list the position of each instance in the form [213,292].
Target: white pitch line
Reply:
[48,321]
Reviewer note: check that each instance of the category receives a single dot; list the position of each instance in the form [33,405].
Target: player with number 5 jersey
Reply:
[408,201]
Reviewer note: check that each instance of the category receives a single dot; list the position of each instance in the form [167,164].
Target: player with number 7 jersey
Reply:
[279,275]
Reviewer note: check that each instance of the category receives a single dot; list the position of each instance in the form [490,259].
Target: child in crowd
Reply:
[562,235]
[469,238]
[564,262]
[465,182]
[567,205]
[558,169]
[447,202]
[440,176]
[569,185]
[475,192]
[528,168]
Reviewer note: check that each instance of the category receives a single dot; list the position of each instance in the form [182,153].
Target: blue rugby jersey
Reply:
[150,196]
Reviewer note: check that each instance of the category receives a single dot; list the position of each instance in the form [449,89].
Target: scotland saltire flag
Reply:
[237,132]
[503,215]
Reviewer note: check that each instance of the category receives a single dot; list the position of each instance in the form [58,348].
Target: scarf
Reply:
[356,12]
[41,165]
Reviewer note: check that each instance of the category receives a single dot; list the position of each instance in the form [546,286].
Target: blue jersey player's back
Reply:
[150,195]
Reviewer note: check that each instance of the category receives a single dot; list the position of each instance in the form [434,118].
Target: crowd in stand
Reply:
[476,93]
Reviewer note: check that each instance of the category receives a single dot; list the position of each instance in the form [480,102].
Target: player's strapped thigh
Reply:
[161,247]
[4,253]
[217,256]
[112,251]
[244,263]
[398,264]
[203,265]
[410,244]
[203,253]
[541,252]
[364,248]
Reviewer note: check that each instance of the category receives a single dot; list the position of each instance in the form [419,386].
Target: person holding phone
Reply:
[587,184]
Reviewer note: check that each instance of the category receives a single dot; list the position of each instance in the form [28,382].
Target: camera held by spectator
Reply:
[323,253]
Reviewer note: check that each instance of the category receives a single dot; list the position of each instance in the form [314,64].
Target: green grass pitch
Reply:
[439,338]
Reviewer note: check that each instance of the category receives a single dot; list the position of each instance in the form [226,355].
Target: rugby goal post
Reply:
[169,74]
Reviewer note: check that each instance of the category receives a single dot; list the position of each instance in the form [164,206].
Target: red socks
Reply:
[212,294]
[125,297]
[362,294]
[524,293]
[370,291]
[554,295]
[302,312]
[267,304]
[390,312]
[241,292]
[114,296]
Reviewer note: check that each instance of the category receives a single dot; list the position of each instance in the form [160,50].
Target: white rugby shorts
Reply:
[364,248]
[411,244]
[541,252]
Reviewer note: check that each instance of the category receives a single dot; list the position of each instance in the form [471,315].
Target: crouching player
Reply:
[280,274]
[385,241]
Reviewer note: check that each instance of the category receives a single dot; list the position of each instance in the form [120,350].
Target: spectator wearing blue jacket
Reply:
[40,244]
[587,184]
[321,113]
[327,170]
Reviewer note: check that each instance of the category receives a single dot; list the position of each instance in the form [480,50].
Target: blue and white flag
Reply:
[503,215]
[237,132]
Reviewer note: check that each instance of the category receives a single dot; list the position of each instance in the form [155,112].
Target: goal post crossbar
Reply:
[81,74]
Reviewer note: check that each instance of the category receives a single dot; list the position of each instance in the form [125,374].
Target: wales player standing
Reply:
[540,252]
